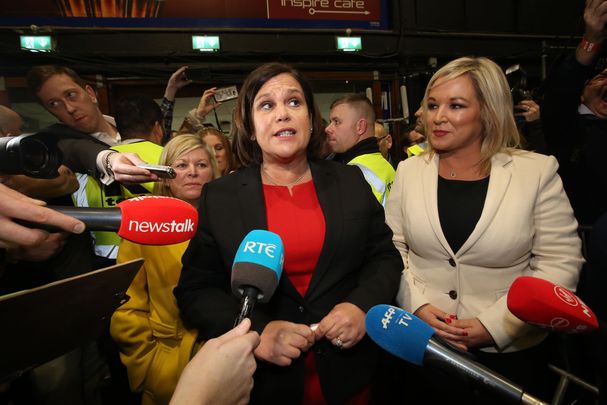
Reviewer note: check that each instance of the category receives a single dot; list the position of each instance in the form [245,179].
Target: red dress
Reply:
[300,222]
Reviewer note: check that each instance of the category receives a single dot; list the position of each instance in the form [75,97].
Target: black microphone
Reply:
[409,338]
[256,270]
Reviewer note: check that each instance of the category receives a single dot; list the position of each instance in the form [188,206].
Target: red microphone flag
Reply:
[545,304]
[157,220]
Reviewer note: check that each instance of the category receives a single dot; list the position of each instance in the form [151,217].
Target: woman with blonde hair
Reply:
[154,344]
[471,214]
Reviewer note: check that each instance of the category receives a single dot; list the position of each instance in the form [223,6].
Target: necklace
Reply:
[277,183]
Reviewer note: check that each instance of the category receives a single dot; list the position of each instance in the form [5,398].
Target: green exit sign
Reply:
[37,43]
[205,43]
[349,44]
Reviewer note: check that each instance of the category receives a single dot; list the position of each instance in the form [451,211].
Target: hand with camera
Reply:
[207,103]
[177,81]
[528,109]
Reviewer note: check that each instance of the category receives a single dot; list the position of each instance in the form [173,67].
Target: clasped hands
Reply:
[463,333]
[283,341]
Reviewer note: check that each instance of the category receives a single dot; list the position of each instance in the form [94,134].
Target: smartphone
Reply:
[166,172]
[226,93]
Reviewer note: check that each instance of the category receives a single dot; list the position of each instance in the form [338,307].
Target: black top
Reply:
[460,204]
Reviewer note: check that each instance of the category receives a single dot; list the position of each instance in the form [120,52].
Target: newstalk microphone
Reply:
[148,220]
[256,270]
[550,306]
[409,338]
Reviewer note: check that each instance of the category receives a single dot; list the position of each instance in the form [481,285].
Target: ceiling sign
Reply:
[365,14]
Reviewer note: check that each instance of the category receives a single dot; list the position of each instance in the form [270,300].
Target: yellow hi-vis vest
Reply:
[378,172]
[148,152]
[92,193]
[416,149]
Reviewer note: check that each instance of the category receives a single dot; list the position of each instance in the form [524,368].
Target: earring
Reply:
[311,129]
[252,137]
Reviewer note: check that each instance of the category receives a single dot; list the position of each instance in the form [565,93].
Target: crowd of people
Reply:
[489,191]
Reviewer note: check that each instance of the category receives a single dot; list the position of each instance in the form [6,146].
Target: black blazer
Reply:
[358,264]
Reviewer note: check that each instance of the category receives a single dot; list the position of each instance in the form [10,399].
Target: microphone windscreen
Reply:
[398,332]
[157,220]
[548,305]
[258,263]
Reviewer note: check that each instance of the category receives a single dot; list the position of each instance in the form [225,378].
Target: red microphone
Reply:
[547,305]
[148,220]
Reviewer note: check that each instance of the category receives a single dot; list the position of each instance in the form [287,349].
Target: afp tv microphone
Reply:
[548,305]
[411,339]
[148,220]
[256,270]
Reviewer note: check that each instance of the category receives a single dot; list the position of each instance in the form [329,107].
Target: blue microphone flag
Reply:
[398,332]
[258,263]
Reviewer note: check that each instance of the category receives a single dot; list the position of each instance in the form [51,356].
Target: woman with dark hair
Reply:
[339,257]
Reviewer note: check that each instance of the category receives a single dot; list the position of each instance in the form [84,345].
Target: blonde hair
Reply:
[491,87]
[179,146]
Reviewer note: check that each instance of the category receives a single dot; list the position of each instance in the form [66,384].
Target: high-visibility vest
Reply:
[416,149]
[148,152]
[378,172]
[92,193]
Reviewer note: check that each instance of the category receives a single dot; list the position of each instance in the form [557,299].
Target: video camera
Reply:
[517,80]
[34,155]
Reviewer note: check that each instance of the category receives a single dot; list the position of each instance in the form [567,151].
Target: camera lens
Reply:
[35,155]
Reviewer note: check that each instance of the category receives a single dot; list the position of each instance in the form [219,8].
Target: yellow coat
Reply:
[154,344]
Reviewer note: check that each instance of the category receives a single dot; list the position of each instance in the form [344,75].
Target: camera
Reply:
[226,93]
[34,155]
[517,80]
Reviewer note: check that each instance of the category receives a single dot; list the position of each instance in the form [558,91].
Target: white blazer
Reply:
[527,228]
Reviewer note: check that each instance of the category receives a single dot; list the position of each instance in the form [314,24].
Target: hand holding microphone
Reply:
[149,220]
[550,306]
[16,207]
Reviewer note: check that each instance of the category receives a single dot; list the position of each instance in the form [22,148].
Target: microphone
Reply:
[548,305]
[256,270]
[147,220]
[411,339]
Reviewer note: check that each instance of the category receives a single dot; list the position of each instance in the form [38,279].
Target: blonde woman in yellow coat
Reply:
[154,344]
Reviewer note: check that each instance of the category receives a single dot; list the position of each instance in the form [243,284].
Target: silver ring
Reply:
[339,343]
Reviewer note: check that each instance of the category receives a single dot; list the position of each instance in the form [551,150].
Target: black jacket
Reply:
[577,141]
[358,264]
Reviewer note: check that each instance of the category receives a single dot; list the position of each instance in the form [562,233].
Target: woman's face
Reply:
[216,145]
[281,120]
[453,119]
[193,170]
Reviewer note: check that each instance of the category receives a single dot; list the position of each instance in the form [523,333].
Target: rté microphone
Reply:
[256,270]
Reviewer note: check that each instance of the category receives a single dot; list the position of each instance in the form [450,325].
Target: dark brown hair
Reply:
[246,150]
[38,75]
